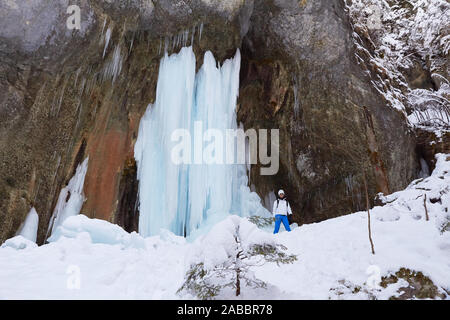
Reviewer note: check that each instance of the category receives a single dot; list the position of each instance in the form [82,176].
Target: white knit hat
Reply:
[281,191]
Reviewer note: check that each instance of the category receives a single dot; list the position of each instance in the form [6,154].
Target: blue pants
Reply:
[281,218]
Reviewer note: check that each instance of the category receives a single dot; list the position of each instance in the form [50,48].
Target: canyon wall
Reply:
[68,94]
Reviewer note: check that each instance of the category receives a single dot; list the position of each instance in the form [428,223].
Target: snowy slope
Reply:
[93,259]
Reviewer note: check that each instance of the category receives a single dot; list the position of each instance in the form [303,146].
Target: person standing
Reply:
[281,209]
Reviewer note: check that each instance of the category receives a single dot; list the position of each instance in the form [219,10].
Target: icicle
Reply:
[29,227]
[69,147]
[89,85]
[79,116]
[173,42]
[53,103]
[296,102]
[61,96]
[114,66]
[200,32]
[82,85]
[349,184]
[186,37]
[424,169]
[37,191]
[76,77]
[104,24]
[107,38]
[70,199]
[57,167]
[166,44]
[131,45]
[192,36]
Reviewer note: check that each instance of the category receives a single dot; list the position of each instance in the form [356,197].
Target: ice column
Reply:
[70,199]
[29,227]
[179,197]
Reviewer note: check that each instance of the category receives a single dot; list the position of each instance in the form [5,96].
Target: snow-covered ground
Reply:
[93,259]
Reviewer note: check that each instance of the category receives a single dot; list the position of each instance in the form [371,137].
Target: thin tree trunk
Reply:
[368,213]
[238,282]
[425,205]
[238,261]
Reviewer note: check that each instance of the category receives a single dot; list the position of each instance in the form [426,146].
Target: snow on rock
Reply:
[18,243]
[99,231]
[334,260]
[338,250]
[397,38]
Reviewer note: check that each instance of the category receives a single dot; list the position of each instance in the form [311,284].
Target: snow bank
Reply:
[99,231]
[108,262]
[334,256]
[338,250]
[18,243]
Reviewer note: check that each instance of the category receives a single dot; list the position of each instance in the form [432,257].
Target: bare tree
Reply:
[425,205]
[368,213]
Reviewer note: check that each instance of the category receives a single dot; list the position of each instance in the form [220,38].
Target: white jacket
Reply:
[283,207]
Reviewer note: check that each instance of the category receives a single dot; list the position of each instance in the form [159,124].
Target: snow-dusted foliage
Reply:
[423,193]
[405,46]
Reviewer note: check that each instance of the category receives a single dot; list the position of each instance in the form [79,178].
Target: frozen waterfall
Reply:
[29,227]
[70,198]
[180,197]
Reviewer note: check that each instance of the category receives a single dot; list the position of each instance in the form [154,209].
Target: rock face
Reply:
[301,75]
[68,94]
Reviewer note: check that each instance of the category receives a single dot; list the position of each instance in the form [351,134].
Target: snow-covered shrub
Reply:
[261,222]
[226,256]
[415,285]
